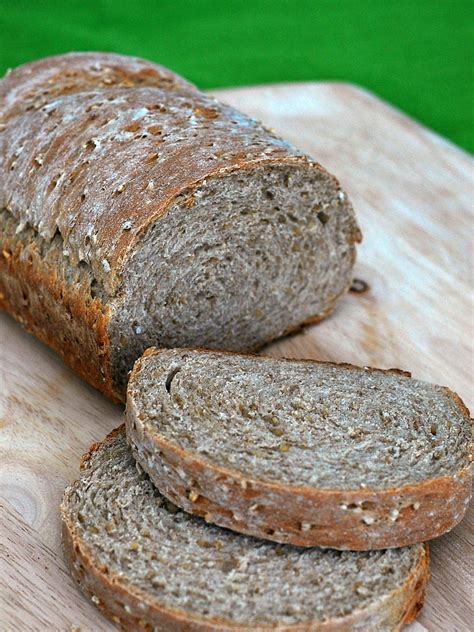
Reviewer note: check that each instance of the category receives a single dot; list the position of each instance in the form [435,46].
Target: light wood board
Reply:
[413,193]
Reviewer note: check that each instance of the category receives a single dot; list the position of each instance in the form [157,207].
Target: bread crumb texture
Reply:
[303,423]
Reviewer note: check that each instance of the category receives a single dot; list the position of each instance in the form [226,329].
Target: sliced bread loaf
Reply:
[137,211]
[148,565]
[300,451]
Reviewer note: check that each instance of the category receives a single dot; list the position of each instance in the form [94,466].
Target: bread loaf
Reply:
[304,452]
[149,566]
[137,211]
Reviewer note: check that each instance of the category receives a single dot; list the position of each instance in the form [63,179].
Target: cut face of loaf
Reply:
[251,260]
[300,451]
[138,211]
[148,565]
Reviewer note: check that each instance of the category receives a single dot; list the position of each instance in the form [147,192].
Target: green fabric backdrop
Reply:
[417,54]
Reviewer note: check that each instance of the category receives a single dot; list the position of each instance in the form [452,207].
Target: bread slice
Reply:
[148,565]
[300,451]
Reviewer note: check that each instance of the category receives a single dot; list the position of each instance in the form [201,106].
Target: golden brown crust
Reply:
[64,316]
[458,401]
[95,447]
[355,520]
[415,589]
[31,86]
[131,609]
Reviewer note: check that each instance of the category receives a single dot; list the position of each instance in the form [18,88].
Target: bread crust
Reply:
[75,94]
[131,609]
[33,85]
[362,519]
[64,316]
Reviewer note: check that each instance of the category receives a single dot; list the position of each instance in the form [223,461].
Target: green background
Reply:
[417,54]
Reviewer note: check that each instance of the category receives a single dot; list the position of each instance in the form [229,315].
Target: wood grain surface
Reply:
[413,193]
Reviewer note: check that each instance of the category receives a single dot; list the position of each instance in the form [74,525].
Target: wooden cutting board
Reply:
[413,193]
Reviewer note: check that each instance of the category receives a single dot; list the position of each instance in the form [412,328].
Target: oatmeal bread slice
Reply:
[304,452]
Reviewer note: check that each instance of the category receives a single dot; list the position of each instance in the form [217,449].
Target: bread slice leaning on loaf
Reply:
[137,211]
[148,565]
[311,453]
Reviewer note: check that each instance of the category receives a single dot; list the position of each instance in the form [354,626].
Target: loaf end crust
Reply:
[34,290]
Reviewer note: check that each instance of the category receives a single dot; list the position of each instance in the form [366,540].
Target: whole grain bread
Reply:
[137,211]
[311,453]
[148,565]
